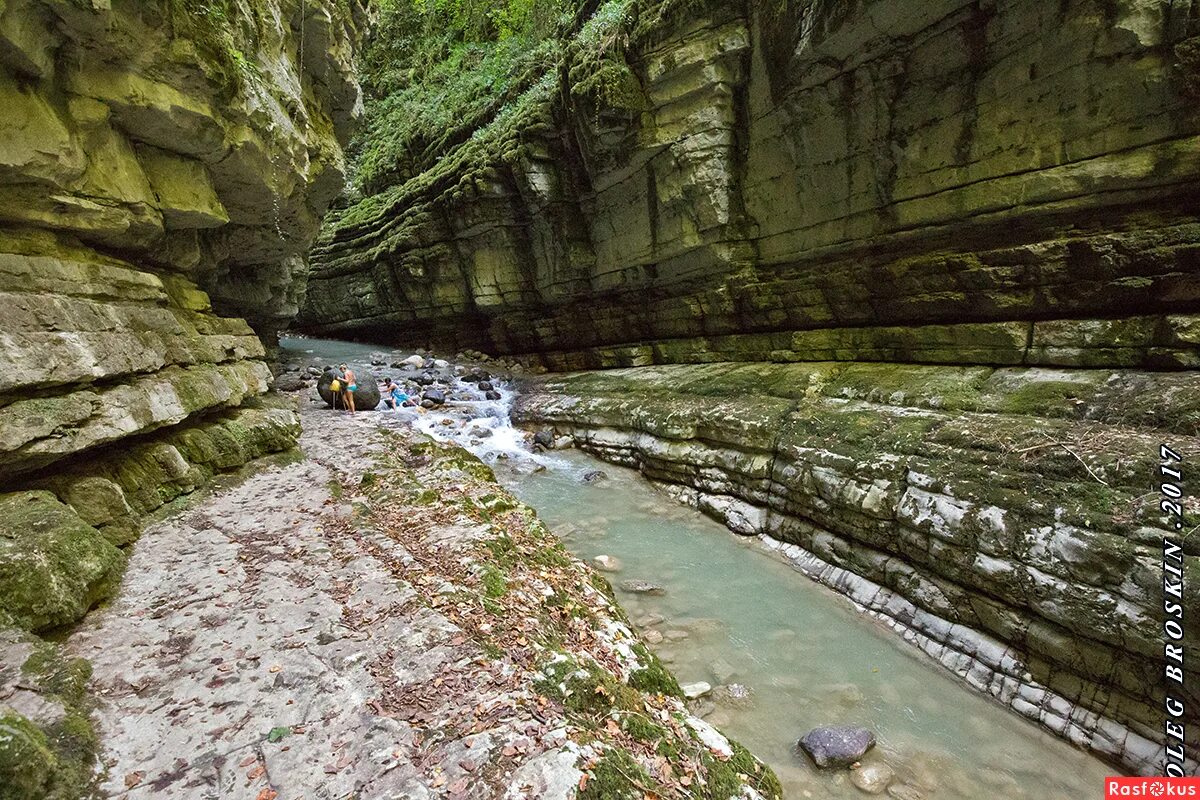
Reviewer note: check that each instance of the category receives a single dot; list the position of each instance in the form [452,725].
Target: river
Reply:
[734,612]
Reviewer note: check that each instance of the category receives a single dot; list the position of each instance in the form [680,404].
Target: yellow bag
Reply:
[335,386]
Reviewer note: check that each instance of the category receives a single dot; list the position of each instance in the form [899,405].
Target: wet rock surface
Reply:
[833,747]
[872,778]
[642,587]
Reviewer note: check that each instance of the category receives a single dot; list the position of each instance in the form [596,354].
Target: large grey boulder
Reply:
[836,746]
[366,396]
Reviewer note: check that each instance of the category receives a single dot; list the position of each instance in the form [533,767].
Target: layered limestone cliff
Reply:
[1001,519]
[163,170]
[970,225]
[943,182]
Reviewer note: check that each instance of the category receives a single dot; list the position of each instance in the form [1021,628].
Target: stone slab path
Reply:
[237,661]
[296,636]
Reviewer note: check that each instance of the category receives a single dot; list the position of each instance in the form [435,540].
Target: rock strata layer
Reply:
[162,172]
[998,518]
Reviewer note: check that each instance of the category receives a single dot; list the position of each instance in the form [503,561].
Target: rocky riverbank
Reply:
[996,518]
[374,616]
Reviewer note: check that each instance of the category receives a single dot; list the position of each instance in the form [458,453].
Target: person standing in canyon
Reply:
[348,387]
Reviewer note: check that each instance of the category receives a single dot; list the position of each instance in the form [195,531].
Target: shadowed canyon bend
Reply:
[910,288]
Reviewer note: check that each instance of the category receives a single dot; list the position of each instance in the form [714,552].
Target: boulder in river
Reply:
[693,690]
[412,362]
[435,396]
[836,746]
[366,396]
[594,476]
[607,563]
[492,395]
[544,438]
[735,695]
[872,778]
[486,386]
[643,587]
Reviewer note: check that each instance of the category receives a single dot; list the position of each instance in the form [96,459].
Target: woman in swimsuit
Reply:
[349,387]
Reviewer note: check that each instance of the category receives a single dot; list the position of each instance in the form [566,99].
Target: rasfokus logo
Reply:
[1151,787]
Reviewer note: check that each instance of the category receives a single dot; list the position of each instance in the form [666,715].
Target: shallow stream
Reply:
[734,613]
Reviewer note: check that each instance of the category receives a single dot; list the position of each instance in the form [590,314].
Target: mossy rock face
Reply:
[53,565]
[27,766]
[48,747]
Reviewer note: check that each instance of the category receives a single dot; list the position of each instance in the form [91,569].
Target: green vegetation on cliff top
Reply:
[455,87]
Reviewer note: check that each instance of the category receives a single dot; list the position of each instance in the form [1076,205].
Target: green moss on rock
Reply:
[53,565]
[55,753]
[653,677]
[616,776]
[27,766]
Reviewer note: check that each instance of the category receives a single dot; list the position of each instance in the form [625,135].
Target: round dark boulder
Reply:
[366,396]
[426,379]
[486,386]
[544,439]
[492,394]
[594,476]
[435,396]
[836,746]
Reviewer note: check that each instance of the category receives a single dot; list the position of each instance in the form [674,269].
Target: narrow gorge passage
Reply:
[850,349]
[737,616]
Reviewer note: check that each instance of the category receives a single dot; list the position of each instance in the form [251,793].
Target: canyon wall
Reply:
[163,170]
[963,233]
[941,182]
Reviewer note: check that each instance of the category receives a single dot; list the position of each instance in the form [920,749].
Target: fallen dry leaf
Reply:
[132,779]
[267,794]
[247,761]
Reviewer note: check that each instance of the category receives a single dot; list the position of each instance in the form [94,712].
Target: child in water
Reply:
[393,395]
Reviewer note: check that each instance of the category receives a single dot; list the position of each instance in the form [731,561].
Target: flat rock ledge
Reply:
[383,622]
